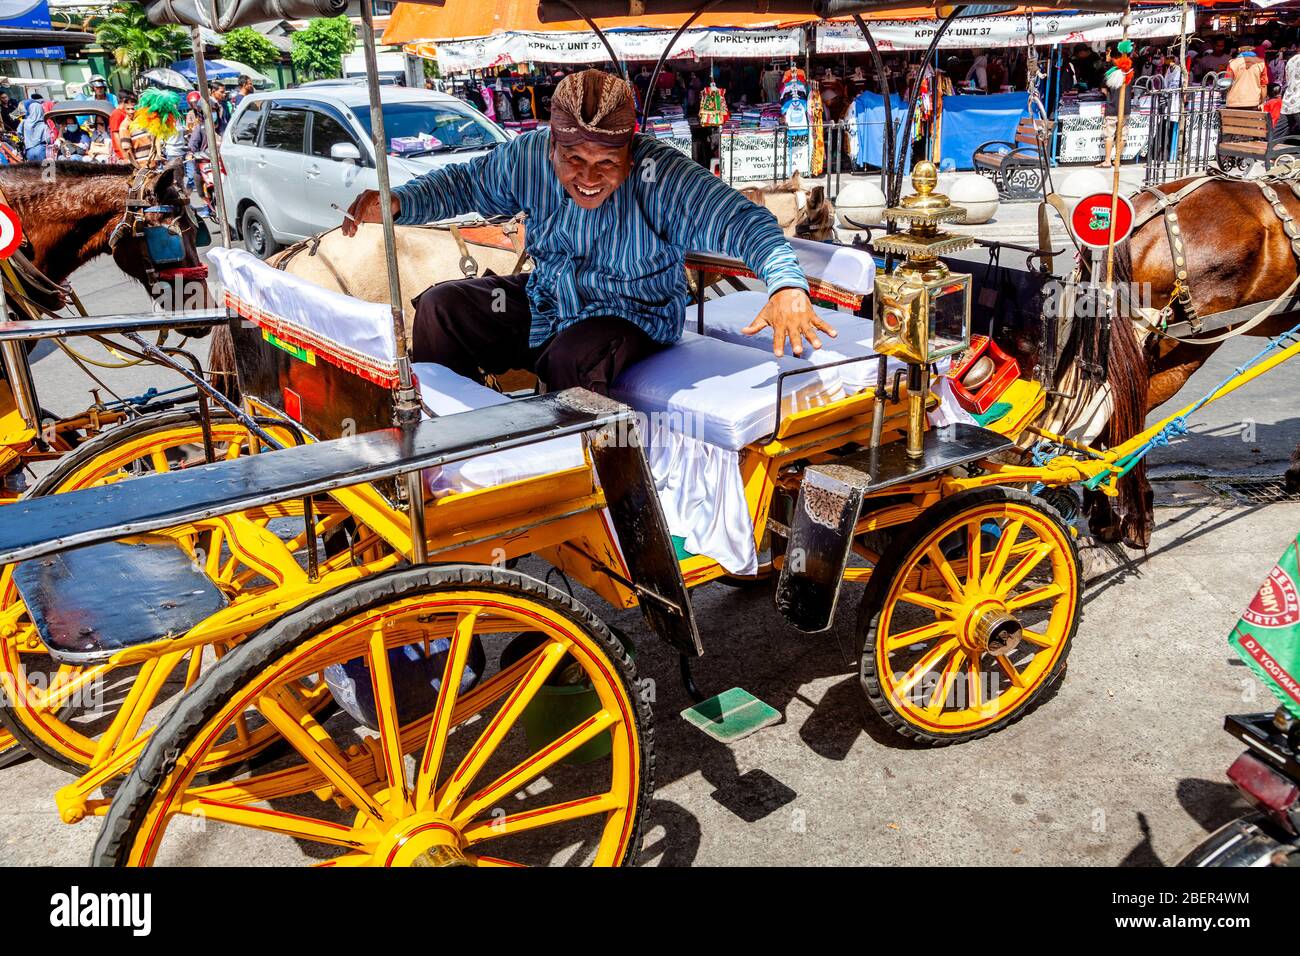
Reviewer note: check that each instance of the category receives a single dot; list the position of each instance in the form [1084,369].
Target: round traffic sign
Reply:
[1091,219]
[11,232]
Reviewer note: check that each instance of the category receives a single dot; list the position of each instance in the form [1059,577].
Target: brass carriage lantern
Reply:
[922,310]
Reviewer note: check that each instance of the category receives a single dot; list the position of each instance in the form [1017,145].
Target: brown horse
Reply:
[72,212]
[1237,253]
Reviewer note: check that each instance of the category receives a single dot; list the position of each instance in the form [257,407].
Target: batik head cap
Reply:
[593,107]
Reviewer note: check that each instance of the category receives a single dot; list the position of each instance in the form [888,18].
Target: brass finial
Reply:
[922,213]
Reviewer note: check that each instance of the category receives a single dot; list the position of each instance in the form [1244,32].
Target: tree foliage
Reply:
[246,45]
[319,49]
[136,44]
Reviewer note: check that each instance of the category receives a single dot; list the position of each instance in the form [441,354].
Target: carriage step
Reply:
[89,603]
[732,715]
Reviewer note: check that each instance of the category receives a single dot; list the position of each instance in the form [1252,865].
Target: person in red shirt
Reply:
[119,118]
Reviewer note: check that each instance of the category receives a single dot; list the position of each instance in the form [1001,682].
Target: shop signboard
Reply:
[504,49]
[748,156]
[1002,31]
[28,14]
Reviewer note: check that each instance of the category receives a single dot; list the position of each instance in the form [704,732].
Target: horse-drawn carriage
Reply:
[322,634]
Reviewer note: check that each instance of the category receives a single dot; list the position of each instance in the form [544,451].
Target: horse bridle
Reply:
[134,222]
[1181,299]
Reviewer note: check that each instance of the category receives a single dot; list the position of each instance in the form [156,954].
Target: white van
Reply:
[288,156]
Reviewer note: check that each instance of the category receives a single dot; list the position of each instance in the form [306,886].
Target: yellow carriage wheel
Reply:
[541,752]
[969,615]
[35,691]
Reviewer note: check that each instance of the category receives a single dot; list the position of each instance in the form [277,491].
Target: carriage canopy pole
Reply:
[408,407]
[600,35]
[663,57]
[210,128]
[885,92]
[898,163]
[1119,158]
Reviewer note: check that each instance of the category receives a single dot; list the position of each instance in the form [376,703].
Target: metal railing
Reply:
[1183,133]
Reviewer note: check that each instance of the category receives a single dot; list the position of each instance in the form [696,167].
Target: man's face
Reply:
[101,92]
[1220,46]
[219,93]
[589,172]
[128,109]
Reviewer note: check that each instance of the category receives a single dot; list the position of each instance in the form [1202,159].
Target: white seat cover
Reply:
[721,392]
[724,318]
[445,392]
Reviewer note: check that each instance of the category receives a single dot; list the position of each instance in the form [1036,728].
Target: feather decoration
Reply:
[157,113]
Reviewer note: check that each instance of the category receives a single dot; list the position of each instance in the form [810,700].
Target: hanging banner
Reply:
[1001,31]
[505,49]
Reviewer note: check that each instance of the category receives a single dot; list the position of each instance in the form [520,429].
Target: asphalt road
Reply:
[1123,765]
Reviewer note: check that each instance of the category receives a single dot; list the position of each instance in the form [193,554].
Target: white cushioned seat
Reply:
[721,392]
[724,318]
[445,392]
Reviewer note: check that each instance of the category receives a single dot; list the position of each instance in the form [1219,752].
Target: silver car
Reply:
[290,156]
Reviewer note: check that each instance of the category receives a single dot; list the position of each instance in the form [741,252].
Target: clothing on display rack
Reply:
[713,106]
[815,111]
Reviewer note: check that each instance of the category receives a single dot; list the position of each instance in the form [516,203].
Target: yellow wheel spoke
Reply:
[536,765]
[499,726]
[919,635]
[195,666]
[541,817]
[1013,675]
[941,689]
[974,554]
[974,693]
[67,684]
[1002,553]
[381,685]
[945,570]
[309,738]
[928,662]
[275,821]
[1024,568]
[938,606]
[1045,593]
[489,861]
[159,459]
[1036,637]
[452,674]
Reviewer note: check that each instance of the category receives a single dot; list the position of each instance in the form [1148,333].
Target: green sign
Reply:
[1268,635]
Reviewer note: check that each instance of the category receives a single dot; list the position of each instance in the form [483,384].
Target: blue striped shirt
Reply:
[625,258]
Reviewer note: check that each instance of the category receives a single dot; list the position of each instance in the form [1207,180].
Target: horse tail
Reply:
[1128,377]
[221,363]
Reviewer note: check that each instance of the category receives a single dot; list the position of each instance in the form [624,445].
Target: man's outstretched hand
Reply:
[790,314]
[365,208]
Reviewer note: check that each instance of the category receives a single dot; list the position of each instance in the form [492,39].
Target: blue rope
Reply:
[147,397]
[1178,426]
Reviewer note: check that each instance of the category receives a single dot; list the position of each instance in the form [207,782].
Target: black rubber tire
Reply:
[877,588]
[256,232]
[49,484]
[186,720]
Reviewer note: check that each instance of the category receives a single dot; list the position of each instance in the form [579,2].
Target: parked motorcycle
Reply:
[1268,775]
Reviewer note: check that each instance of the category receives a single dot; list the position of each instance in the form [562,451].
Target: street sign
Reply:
[1091,220]
[11,232]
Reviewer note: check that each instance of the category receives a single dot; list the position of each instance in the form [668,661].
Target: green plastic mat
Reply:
[732,715]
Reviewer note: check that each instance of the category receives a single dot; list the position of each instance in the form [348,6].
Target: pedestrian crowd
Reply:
[106,135]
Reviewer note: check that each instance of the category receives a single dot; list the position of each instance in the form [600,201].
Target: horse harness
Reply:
[506,235]
[1181,299]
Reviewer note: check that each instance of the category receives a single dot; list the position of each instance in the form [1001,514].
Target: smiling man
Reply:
[611,215]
